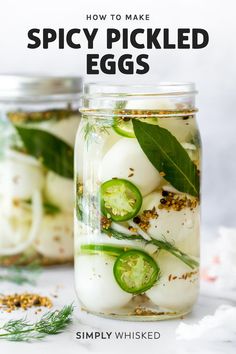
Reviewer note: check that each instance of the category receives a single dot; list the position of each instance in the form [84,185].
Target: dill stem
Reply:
[160,244]
[17,332]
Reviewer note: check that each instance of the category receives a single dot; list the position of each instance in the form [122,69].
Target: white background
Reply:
[212,68]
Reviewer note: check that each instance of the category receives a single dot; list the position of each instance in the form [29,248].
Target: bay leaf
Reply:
[53,153]
[167,155]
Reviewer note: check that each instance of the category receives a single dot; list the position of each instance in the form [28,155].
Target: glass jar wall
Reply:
[137,167]
[38,117]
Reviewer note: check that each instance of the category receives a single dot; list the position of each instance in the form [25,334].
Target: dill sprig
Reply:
[165,245]
[99,128]
[21,275]
[51,323]
[169,247]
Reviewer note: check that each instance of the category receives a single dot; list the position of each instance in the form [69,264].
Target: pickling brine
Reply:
[137,174]
[38,121]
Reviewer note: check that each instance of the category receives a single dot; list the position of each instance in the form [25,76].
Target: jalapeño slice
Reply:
[135,271]
[120,199]
[102,248]
[124,126]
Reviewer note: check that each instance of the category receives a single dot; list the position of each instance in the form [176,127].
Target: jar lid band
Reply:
[26,87]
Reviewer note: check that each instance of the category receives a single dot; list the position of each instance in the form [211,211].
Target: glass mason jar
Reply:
[39,117]
[137,166]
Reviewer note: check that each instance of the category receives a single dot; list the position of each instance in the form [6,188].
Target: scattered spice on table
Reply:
[24,301]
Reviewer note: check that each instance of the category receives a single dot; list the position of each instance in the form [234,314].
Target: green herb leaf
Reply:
[167,246]
[164,245]
[21,275]
[52,322]
[167,155]
[53,152]
[50,208]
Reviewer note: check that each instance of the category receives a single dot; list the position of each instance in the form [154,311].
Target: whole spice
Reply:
[176,202]
[105,222]
[56,114]
[143,220]
[24,301]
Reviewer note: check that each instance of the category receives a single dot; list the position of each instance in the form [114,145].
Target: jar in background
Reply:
[38,122]
[137,167]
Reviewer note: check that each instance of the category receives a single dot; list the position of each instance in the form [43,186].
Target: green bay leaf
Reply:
[54,153]
[167,155]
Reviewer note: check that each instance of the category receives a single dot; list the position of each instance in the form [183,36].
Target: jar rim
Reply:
[100,89]
[104,99]
[28,87]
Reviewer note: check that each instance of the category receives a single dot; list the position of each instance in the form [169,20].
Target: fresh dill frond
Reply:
[168,247]
[21,275]
[97,128]
[88,129]
[51,323]
[121,235]
[161,244]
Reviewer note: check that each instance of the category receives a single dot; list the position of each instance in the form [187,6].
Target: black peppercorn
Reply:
[165,193]
[163,201]
[136,219]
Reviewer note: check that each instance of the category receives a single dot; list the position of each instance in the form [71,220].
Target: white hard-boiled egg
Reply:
[95,284]
[150,104]
[166,186]
[20,179]
[178,227]
[182,129]
[110,139]
[55,237]
[15,209]
[177,288]
[127,160]
[13,232]
[59,191]
[20,225]
[194,153]
[64,129]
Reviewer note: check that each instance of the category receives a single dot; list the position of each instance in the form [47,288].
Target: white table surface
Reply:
[60,281]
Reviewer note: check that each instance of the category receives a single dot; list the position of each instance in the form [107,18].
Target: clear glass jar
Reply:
[39,117]
[137,166]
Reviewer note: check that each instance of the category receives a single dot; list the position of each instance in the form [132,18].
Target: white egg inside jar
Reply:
[55,237]
[178,285]
[59,191]
[126,160]
[137,201]
[39,119]
[95,284]
[177,225]
[182,126]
